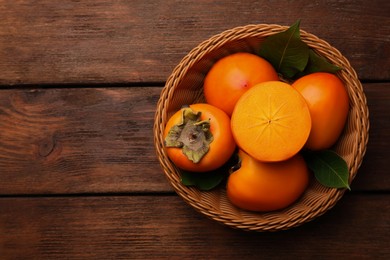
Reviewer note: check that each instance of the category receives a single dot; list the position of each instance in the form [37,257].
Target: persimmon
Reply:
[234,74]
[198,138]
[261,186]
[271,121]
[328,104]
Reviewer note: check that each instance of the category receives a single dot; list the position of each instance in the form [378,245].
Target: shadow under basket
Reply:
[185,86]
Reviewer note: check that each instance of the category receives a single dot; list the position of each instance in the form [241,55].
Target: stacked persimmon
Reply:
[268,121]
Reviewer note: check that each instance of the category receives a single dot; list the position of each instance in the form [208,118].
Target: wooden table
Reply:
[79,178]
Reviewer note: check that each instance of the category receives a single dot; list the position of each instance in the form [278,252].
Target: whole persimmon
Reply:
[261,186]
[328,103]
[198,138]
[271,121]
[234,74]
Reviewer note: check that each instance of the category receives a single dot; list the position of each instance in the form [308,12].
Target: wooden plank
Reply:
[98,41]
[160,227]
[101,140]
[378,149]
[78,140]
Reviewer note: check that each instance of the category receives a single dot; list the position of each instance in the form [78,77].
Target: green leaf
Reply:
[202,180]
[319,64]
[209,180]
[329,168]
[286,51]
[291,57]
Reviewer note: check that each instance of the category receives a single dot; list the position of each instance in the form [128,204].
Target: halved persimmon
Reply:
[271,121]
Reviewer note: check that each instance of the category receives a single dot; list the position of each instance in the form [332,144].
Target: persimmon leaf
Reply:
[208,180]
[319,64]
[329,168]
[287,53]
[203,181]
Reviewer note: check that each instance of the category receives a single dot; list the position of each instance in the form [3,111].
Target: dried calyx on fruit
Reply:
[192,135]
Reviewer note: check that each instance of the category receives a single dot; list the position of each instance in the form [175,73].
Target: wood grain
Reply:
[78,140]
[100,140]
[162,227]
[79,83]
[378,149]
[98,41]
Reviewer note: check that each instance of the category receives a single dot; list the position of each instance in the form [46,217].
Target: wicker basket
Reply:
[184,86]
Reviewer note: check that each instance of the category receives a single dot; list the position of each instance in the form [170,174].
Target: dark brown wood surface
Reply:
[79,178]
[128,227]
[46,42]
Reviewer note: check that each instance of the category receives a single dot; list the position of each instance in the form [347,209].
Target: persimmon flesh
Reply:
[271,121]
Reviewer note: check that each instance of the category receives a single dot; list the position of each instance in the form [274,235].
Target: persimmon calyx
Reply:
[192,135]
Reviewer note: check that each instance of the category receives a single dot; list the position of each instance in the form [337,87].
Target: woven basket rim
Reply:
[191,195]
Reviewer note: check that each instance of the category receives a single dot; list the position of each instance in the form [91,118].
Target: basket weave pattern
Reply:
[184,86]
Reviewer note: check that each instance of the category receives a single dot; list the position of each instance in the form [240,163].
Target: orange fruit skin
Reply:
[271,121]
[221,148]
[260,186]
[232,75]
[328,103]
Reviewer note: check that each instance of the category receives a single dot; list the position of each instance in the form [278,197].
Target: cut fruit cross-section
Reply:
[271,121]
